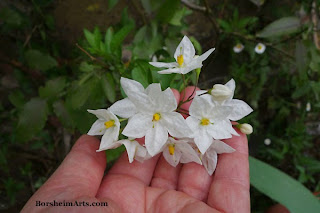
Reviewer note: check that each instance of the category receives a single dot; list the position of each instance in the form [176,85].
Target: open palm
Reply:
[152,186]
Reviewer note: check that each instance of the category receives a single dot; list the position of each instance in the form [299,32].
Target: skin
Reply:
[151,186]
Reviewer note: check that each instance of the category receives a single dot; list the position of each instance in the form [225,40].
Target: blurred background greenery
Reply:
[60,58]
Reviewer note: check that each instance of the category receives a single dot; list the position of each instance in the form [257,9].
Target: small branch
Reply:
[29,36]
[193,6]
[315,24]
[88,54]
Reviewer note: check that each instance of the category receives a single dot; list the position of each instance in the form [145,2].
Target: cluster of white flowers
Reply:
[152,113]
[259,48]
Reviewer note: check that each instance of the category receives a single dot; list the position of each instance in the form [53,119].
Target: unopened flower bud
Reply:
[221,92]
[246,128]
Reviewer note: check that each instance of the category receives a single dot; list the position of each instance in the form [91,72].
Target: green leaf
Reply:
[39,60]
[53,88]
[90,38]
[108,39]
[167,10]
[32,119]
[282,188]
[120,36]
[112,3]
[282,26]
[62,113]
[17,98]
[140,75]
[10,17]
[108,86]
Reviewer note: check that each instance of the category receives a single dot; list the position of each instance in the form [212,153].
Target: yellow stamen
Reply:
[171,149]
[180,60]
[109,124]
[239,46]
[156,117]
[205,121]
[259,47]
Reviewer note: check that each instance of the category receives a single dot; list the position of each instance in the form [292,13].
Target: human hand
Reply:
[152,186]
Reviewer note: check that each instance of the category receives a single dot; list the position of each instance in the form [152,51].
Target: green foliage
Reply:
[32,119]
[283,26]
[39,60]
[282,188]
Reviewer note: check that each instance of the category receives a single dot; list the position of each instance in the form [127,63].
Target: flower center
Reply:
[180,60]
[171,149]
[239,46]
[109,124]
[204,121]
[156,117]
[259,47]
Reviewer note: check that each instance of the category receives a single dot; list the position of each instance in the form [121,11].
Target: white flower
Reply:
[186,60]
[308,107]
[134,149]
[245,128]
[209,120]
[151,113]
[260,48]
[210,158]
[238,48]
[107,125]
[267,141]
[240,108]
[221,92]
[175,151]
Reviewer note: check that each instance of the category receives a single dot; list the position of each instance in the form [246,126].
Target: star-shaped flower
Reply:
[151,113]
[209,121]
[260,48]
[238,48]
[186,60]
[175,151]
[107,125]
[240,109]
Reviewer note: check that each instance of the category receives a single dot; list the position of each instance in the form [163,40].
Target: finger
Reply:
[176,94]
[195,181]
[125,183]
[229,191]
[165,176]
[188,92]
[141,171]
[79,174]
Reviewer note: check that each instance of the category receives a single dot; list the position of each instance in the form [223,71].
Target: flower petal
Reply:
[209,161]
[200,107]
[203,140]
[101,114]
[131,148]
[97,128]
[110,146]
[171,70]
[162,101]
[138,125]
[155,138]
[162,64]
[219,131]
[205,55]
[240,109]
[185,48]
[175,124]
[221,147]
[193,124]
[174,159]
[123,108]
[232,85]
[110,136]
[188,153]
